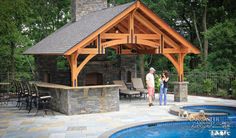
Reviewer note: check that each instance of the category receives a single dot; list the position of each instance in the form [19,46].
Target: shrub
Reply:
[222,93]
[157,82]
[234,89]
[234,84]
[208,86]
[195,88]
[234,94]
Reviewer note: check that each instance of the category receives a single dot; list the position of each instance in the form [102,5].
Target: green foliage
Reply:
[222,37]
[111,55]
[234,89]
[62,64]
[234,85]
[208,86]
[195,88]
[46,16]
[157,82]
[222,93]
[23,23]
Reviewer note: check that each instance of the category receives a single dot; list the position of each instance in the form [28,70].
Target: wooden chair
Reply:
[138,85]
[125,91]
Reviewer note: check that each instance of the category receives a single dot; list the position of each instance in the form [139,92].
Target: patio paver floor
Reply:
[16,123]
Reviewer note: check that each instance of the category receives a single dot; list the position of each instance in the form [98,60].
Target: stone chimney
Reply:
[83,7]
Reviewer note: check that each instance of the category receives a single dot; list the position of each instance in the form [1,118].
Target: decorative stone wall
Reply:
[128,64]
[180,91]
[84,100]
[83,7]
[109,70]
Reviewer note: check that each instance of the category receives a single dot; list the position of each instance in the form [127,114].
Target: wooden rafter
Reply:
[152,27]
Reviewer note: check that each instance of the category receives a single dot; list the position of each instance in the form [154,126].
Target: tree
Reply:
[222,40]
[24,23]
[13,16]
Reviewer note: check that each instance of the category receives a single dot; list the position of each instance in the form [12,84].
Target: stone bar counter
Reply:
[82,100]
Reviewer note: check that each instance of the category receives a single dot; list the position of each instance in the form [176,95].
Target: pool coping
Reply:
[175,109]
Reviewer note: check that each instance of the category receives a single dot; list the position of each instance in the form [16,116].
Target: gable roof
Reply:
[72,33]
[69,37]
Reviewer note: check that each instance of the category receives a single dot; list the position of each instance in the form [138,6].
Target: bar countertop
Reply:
[52,85]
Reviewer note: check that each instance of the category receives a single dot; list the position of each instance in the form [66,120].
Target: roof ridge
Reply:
[116,6]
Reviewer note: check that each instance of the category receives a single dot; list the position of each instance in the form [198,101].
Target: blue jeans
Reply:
[163,92]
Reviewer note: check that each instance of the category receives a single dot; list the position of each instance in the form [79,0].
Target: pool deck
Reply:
[16,123]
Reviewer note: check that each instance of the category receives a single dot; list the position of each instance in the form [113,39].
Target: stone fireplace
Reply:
[98,71]
[94,78]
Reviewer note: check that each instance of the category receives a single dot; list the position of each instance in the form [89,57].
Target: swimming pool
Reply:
[219,126]
[180,129]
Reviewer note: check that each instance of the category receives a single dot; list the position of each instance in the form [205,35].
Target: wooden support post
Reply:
[131,27]
[75,70]
[181,66]
[72,59]
[99,44]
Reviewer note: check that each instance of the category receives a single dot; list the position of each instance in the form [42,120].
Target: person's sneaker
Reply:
[150,104]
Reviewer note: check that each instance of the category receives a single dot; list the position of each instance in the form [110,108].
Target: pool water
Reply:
[183,129]
[218,127]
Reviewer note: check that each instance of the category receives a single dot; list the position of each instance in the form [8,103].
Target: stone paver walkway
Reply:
[16,123]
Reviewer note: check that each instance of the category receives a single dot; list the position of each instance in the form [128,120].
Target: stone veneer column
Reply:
[83,7]
[180,91]
[128,63]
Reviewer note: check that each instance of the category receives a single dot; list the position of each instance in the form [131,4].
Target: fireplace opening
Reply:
[94,78]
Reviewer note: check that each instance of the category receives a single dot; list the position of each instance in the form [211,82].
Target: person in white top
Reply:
[150,85]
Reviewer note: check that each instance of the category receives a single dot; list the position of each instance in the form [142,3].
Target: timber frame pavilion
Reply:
[128,29]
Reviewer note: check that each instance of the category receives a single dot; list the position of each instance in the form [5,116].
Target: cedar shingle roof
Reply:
[72,33]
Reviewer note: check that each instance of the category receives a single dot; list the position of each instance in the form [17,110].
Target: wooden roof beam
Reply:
[114,36]
[88,51]
[165,26]
[153,28]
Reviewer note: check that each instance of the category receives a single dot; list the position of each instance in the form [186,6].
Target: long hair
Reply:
[166,73]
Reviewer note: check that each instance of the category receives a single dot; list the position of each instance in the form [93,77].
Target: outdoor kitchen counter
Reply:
[52,85]
[82,100]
